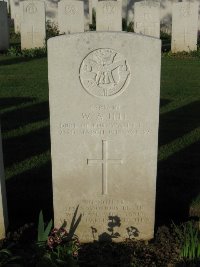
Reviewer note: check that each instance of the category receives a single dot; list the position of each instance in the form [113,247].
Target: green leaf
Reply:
[40,227]
[47,230]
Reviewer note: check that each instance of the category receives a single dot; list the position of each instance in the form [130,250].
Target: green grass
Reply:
[26,138]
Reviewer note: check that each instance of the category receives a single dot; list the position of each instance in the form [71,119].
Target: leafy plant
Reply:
[61,246]
[29,53]
[93,25]
[6,257]
[130,27]
[43,232]
[51,29]
[190,236]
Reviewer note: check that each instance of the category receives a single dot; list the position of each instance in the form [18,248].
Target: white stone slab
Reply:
[33,28]
[109,16]
[3,202]
[4,29]
[147,18]
[184,26]
[70,16]
[15,14]
[104,110]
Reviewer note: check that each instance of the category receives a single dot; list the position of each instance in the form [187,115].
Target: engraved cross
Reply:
[104,161]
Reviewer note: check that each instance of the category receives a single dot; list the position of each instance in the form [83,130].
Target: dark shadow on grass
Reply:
[178,122]
[178,183]
[164,102]
[14,60]
[20,117]
[23,147]
[7,102]
[27,194]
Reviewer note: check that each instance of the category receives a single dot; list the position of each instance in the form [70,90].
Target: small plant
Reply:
[93,25]
[6,257]
[51,29]
[57,247]
[28,53]
[130,27]
[190,241]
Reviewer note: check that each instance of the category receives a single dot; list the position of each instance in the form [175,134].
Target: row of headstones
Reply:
[108,18]
[104,111]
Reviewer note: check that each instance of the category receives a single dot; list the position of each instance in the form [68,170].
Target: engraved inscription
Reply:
[109,8]
[104,72]
[185,11]
[31,9]
[70,10]
[98,211]
[104,161]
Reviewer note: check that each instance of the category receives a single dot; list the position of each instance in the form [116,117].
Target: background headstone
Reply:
[109,16]
[33,28]
[4,29]
[3,202]
[104,110]
[15,14]
[70,16]
[184,26]
[147,18]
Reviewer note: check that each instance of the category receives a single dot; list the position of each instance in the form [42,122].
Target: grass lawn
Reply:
[26,138]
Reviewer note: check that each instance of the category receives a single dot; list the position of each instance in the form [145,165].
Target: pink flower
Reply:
[50,242]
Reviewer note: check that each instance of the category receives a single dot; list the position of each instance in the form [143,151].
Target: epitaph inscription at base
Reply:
[104,106]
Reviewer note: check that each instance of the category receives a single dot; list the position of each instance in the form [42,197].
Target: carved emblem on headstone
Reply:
[31,9]
[104,72]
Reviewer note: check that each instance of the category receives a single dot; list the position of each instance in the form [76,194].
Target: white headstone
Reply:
[109,16]
[147,18]
[33,28]
[3,202]
[15,14]
[184,26]
[70,16]
[4,29]
[104,110]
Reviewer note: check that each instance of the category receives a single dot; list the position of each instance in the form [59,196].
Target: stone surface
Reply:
[109,16]
[33,28]
[4,32]
[104,110]
[147,18]
[3,202]
[184,26]
[15,14]
[70,16]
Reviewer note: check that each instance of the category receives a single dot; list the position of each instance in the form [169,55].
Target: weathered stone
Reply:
[3,202]
[4,32]
[109,16]
[15,14]
[147,18]
[184,26]
[33,28]
[104,110]
[70,16]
